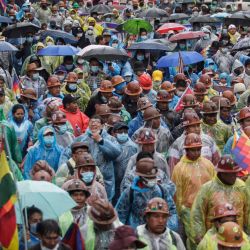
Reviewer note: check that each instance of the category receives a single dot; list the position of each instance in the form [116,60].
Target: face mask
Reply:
[140,58]
[115,45]
[37,38]
[35,76]
[224,50]
[79,35]
[29,39]
[63,128]
[144,37]
[80,61]
[69,66]
[182,46]
[157,83]
[72,86]
[108,19]
[94,69]
[179,93]
[61,78]
[49,43]
[195,13]
[12,18]
[122,137]
[33,227]
[61,9]
[48,140]
[128,78]
[87,177]
[206,37]
[151,183]
[45,248]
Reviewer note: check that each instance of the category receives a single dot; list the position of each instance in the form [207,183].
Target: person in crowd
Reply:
[42,171]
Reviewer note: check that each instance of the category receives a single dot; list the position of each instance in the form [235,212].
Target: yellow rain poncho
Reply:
[98,29]
[210,195]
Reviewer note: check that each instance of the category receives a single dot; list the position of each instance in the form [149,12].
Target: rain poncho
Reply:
[40,152]
[224,61]
[135,123]
[209,196]
[162,241]
[210,64]
[237,64]
[64,139]
[220,132]
[114,39]
[23,130]
[104,154]
[98,29]
[108,72]
[6,106]
[242,102]
[203,43]
[209,150]
[130,207]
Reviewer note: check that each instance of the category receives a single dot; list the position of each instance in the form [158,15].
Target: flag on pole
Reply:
[241,149]
[15,87]
[8,226]
[180,64]
[179,105]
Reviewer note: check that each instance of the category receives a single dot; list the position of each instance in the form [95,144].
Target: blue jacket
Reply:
[104,153]
[116,71]
[40,152]
[173,103]
[131,209]
[135,124]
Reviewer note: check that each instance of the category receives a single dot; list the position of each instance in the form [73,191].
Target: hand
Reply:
[27,234]
[96,136]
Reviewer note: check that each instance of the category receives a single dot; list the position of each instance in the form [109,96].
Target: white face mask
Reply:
[49,43]
[35,76]
[80,61]
[206,37]
[150,183]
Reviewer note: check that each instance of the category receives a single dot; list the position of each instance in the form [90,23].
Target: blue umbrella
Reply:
[7,47]
[188,57]
[221,15]
[4,19]
[58,50]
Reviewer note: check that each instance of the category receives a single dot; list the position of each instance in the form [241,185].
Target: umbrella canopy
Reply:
[7,47]
[68,38]
[101,8]
[103,53]
[52,200]
[204,19]
[221,15]
[165,28]
[242,44]
[238,18]
[20,30]
[133,26]
[179,16]
[151,44]
[188,57]
[153,13]
[4,19]
[187,35]
[58,50]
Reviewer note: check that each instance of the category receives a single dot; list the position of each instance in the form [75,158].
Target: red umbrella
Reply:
[170,26]
[187,35]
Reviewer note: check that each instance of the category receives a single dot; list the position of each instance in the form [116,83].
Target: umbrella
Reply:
[204,19]
[186,35]
[188,57]
[4,19]
[103,53]
[221,15]
[153,13]
[101,8]
[242,44]
[179,16]
[20,30]
[52,200]
[58,50]
[7,47]
[133,26]
[68,38]
[238,18]
[165,28]
[150,44]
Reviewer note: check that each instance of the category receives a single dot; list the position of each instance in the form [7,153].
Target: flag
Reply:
[179,105]
[73,238]
[180,64]
[3,5]
[15,87]
[241,149]
[8,226]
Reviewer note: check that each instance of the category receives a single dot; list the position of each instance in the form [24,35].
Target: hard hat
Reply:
[157,205]
[115,104]
[85,159]
[145,81]
[200,89]
[206,79]
[150,114]
[190,118]
[106,86]
[133,88]
[58,117]
[230,96]
[146,136]
[189,101]
[243,114]
[72,77]
[143,103]
[157,75]
[168,86]
[117,80]
[192,140]
[223,210]
[75,185]
[53,81]
[102,109]
[145,167]
[209,107]
[227,165]
[163,96]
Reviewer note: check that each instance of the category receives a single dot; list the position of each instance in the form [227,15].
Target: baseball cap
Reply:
[69,99]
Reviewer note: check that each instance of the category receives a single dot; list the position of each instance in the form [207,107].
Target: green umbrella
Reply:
[134,25]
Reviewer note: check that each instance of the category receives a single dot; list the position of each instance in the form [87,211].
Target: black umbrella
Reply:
[20,30]
[153,13]
[101,8]
[238,18]
[178,16]
[4,19]
[204,19]
[242,44]
[67,37]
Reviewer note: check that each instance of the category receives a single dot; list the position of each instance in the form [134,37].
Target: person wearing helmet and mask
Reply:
[224,187]
[191,123]
[155,232]
[46,149]
[54,88]
[119,85]
[214,127]
[134,198]
[169,87]
[206,80]
[152,119]
[200,93]
[190,173]
[223,212]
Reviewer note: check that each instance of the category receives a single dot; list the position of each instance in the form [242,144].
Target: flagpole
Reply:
[7,148]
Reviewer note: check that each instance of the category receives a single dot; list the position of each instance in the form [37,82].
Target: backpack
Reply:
[70,168]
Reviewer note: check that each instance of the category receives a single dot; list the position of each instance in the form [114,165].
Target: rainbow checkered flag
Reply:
[241,149]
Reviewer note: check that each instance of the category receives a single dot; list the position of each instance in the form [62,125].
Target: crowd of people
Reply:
[146,152]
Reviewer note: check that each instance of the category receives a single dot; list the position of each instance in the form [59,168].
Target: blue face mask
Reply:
[33,227]
[69,66]
[63,128]
[48,140]
[94,69]
[72,86]
[87,177]
[108,19]
[120,86]
[122,137]
[140,58]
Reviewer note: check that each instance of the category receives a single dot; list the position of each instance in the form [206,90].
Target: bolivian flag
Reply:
[8,227]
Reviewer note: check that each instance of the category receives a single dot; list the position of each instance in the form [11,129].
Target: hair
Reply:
[98,39]
[31,210]
[16,107]
[67,58]
[181,83]
[98,117]
[142,155]
[48,226]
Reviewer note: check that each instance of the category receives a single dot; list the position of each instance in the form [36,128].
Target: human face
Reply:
[225,113]
[210,119]
[162,106]
[245,122]
[2,84]
[95,125]
[50,240]
[199,98]
[232,31]
[72,107]
[35,218]
[156,222]
[156,122]
[55,91]
[2,98]
[193,153]
[148,147]
[80,198]
[19,115]
[227,178]
[195,128]
[107,95]
[79,151]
